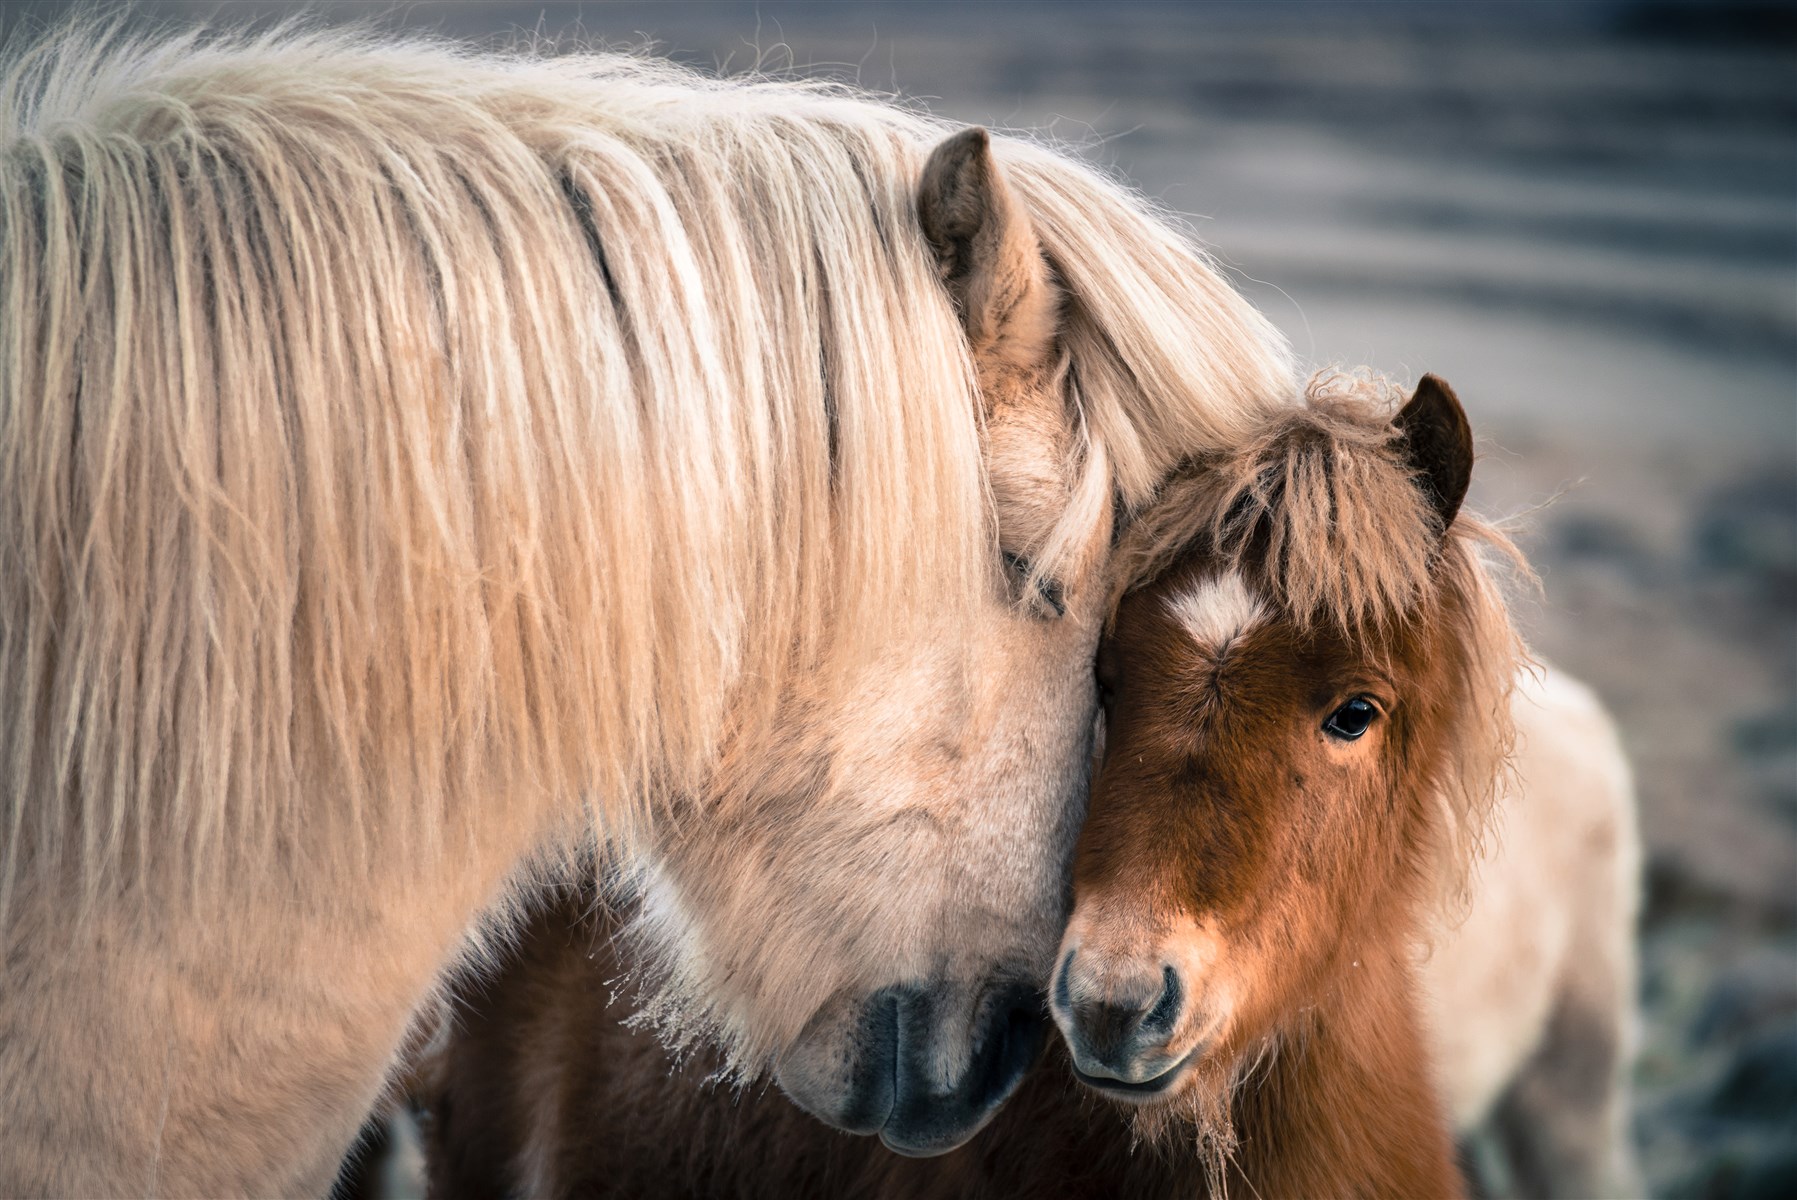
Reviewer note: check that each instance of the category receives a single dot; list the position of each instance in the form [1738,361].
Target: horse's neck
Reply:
[1347,1106]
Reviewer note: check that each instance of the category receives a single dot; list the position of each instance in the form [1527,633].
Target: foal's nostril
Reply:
[1165,1012]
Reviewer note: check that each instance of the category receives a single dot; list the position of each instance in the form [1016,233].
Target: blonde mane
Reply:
[1318,507]
[391,433]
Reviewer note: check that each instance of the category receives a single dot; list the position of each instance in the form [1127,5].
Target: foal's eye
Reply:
[1046,598]
[1351,720]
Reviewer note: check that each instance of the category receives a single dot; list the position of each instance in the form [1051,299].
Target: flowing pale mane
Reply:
[1320,509]
[390,432]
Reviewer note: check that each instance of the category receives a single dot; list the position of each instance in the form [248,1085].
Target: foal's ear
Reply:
[987,253]
[1438,442]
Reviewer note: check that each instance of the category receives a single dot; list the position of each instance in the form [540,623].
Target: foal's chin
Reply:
[1191,1101]
[1199,1065]
[1161,1089]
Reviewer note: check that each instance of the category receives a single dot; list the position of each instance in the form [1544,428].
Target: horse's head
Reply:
[1302,702]
[873,908]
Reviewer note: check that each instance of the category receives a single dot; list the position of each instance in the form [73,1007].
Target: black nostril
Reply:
[869,1098]
[1160,1018]
[1062,997]
[928,1119]
[1013,1035]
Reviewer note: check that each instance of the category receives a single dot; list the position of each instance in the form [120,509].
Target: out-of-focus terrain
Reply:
[1582,215]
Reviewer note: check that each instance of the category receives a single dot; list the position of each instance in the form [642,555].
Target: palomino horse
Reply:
[1310,696]
[424,471]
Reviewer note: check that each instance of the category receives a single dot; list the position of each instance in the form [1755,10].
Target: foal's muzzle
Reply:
[905,1073]
[1119,1023]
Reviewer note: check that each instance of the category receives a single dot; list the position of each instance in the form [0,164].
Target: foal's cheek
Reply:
[1324,787]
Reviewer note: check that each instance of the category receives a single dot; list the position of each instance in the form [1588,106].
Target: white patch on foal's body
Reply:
[1217,611]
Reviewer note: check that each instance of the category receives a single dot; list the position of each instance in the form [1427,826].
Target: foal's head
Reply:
[1306,700]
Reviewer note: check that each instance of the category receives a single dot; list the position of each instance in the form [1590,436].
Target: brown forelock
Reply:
[1319,506]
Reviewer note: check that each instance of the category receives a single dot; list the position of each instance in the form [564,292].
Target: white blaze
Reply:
[1216,611]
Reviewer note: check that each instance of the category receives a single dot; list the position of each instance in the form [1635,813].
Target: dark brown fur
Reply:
[541,1054]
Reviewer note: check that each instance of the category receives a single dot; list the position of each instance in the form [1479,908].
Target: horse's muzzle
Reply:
[890,1078]
[1119,1025]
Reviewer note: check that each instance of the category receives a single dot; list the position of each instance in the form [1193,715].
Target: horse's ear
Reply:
[987,253]
[1438,442]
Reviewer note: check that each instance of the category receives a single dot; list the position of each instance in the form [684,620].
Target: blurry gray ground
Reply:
[1584,217]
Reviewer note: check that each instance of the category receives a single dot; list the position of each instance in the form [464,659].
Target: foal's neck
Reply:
[1346,1104]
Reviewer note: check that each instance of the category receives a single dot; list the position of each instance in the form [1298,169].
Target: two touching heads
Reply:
[875,908]
[1303,676]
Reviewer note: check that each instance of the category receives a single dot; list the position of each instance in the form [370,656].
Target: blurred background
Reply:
[1584,216]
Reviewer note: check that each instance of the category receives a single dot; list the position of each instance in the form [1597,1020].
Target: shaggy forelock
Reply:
[1316,505]
[1321,510]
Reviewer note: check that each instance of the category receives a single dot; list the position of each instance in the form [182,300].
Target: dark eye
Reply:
[1351,720]
[1047,598]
